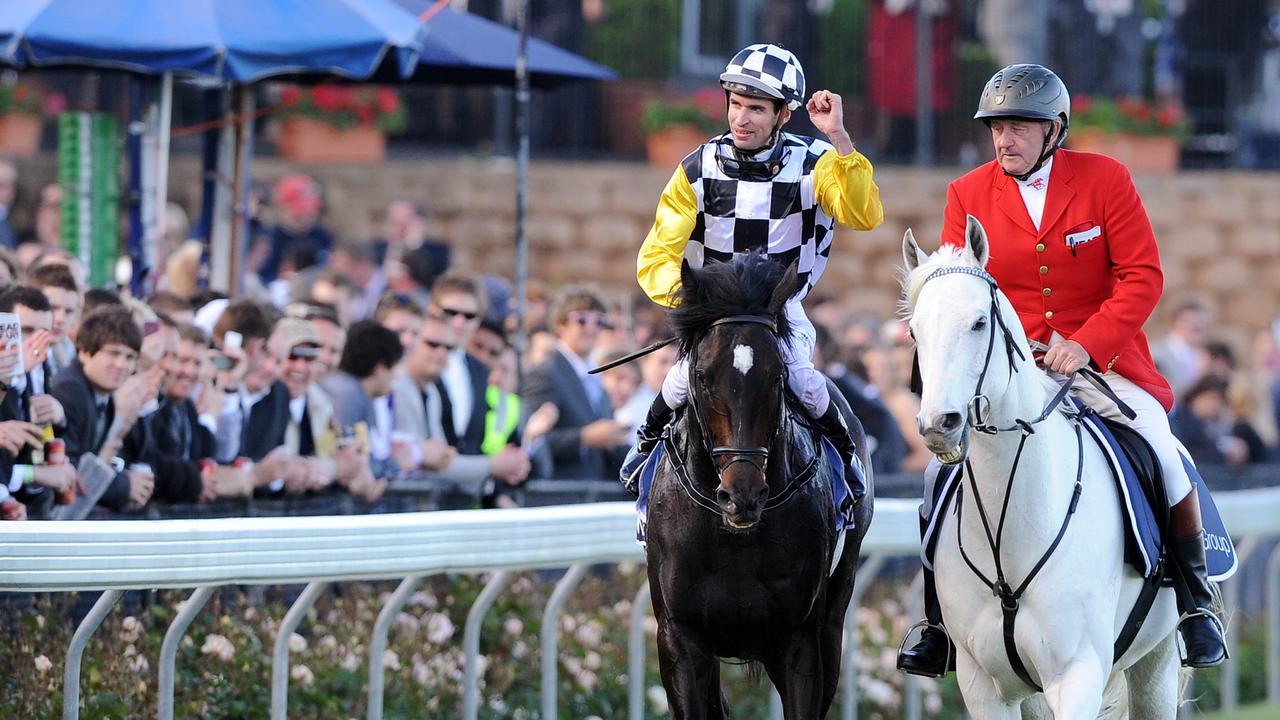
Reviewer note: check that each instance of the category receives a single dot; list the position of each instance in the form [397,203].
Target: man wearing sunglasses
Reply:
[759,188]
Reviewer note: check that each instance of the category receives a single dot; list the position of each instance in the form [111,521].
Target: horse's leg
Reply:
[1154,683]
[1076,693]
[689,673]
[981,696]
[796,671]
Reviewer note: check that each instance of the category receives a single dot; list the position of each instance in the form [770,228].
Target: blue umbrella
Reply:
[238,40]
[465,49]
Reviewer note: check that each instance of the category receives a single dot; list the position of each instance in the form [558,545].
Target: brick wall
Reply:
[1219,233]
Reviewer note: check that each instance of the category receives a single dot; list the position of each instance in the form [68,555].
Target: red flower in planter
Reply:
[290,96]
[387,100]
[331,98]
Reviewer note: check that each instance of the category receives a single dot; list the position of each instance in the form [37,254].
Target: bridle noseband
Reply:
[757,457]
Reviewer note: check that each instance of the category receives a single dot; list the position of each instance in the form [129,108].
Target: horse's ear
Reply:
[912,255]
[975,238]
[688,279]
[785,289]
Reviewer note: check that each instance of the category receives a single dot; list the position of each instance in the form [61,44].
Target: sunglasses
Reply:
[438,345]
[588,317]
[753,170]
[454,312]
[303,352]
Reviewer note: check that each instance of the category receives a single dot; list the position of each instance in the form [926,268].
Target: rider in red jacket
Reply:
[1073,250]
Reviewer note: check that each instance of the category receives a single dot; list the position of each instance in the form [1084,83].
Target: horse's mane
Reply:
[913,282]
[743,285]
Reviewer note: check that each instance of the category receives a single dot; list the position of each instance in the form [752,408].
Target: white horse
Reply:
[978,373]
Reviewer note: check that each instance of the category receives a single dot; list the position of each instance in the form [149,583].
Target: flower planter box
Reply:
[1154,154]
[668,147]
[20,134]
[308,141]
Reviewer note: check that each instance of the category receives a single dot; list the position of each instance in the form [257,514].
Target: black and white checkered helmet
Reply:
[766,71]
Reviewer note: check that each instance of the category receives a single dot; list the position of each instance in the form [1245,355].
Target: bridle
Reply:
[757,457]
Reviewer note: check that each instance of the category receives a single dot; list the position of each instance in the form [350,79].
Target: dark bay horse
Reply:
[741,523]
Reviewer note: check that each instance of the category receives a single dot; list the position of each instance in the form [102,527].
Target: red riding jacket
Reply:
[1092,271]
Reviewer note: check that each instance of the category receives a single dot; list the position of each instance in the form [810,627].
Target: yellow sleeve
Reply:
[658,265]
[847,191]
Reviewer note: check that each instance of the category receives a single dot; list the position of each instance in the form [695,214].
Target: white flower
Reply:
[589,633]
[657,697]
[569,623]
[139,664]
[933,704]
[302,674]
[878,691]
[251,613]
[40,621]
[130,650]
[130,628]
[351,662]
[328,642]
[439,628]
[519,649]
[218,646]
[390,660]
[513,626]
[592,661]
[422,599]
[43,664]
[297,643]
[407,623]
[421,673]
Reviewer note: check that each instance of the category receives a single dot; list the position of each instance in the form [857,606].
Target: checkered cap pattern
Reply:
[769,68]
[781,215]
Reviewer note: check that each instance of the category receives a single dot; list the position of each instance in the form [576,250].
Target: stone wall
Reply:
[1219,233]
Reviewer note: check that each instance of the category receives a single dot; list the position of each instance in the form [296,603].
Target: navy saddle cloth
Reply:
[1137,476]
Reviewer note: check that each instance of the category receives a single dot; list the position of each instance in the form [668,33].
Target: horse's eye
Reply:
[979,325]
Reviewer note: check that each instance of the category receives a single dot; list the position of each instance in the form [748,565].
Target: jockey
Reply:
[756,187]
[1073,250]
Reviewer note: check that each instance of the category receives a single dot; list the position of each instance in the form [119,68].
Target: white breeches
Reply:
[808,384]
[1152,423]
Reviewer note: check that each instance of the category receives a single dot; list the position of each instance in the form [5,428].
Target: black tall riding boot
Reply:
[932,655]
[647,437]
[1201,630]
[832,425]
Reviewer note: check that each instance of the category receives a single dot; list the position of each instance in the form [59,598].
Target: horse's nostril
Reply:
[722,497]
[951,421]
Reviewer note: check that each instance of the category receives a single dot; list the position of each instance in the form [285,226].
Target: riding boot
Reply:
[833,426]
[1201,630]
[933,654]
[647,438]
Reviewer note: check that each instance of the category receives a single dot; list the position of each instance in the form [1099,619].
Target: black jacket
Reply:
[77,396]
[176,465]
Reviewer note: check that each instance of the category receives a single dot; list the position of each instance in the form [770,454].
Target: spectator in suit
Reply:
[27,406]
[1180,354]
[421,420]
[58,284]
[8,190]
[586,442]
[458,300]
[364,375]
[107,348]
[885,440]
[255,410]
[401,314]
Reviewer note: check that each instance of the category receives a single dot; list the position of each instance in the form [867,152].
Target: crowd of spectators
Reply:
[344,367]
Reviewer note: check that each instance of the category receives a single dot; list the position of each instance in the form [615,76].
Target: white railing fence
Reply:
[114,556]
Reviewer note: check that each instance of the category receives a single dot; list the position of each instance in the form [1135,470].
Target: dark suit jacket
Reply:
[73,390]
[471,438]
[268,419]
[877,421]
[177,469]
[15,406]
[557,382]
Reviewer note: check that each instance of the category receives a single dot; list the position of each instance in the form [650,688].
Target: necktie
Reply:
[446,415]
[100,425]
[306,443]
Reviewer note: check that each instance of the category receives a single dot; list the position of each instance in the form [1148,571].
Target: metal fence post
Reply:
[550,655]
[1273,626]
[75,651]
[1230,600]
[169,648]
[378,643]
[280,656]
[635,653]
[471,643]
[867,572]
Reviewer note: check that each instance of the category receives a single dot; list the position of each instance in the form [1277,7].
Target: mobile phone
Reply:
[222,362]
[232,339]
[150,327]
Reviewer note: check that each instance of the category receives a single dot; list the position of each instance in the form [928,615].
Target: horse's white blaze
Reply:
[743,358]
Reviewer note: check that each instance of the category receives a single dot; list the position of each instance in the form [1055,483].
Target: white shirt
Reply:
[1034,190]
[380,433]
[457,382]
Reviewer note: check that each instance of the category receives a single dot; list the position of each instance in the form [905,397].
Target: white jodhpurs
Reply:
[804,380]
[1152,423]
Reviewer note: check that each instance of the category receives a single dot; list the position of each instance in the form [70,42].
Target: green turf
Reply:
[1251,712]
